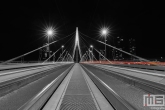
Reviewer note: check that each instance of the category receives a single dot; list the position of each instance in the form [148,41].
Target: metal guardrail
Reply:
[146,65]
[37,102]
[26,66]
[149,67]
[117,102]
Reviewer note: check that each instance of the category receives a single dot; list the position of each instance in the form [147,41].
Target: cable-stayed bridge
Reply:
[78,76]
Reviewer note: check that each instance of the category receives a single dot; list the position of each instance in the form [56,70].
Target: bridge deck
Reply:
[77,91]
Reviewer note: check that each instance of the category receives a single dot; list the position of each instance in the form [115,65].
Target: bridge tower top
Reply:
[77,44]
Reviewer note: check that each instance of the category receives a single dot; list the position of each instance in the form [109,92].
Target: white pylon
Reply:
[77,44]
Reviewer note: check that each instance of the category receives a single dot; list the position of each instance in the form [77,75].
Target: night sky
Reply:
[22,22]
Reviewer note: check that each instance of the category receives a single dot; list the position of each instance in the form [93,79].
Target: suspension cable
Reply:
[51,55]
[143,59]
[58,50]
[60,55]
[33,50]
[99,52]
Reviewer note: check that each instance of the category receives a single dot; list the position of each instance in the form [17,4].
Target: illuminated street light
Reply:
[49,32]
[91,46]
[104,32]
[62,50]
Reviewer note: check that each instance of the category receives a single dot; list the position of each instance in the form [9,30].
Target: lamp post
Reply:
[49,33]
[104,33]
[91,46]
[62,50]
[88,55]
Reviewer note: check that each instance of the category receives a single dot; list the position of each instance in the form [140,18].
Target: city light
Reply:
[91,46]
[62,46]
[50,31]
[104,31]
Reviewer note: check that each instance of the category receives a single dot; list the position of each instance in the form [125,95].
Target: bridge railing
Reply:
[128,62]
[159,66]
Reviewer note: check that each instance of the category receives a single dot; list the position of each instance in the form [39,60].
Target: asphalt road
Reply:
[131,94]
[17,98]
[13,74]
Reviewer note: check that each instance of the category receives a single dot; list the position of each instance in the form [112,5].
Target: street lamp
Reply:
[104,32]
[62,50]
[49,33]
[91,46]
[62,46]
[88,55]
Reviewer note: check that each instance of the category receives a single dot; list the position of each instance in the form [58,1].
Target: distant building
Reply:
[132,47]
[117,55]
[101,55]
